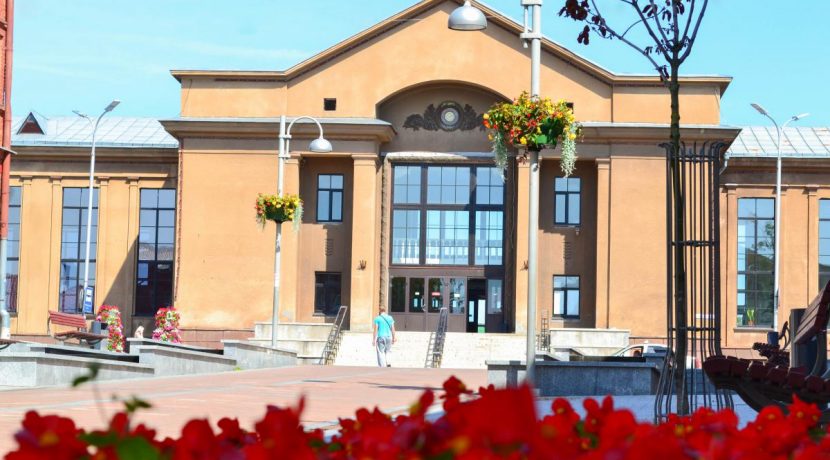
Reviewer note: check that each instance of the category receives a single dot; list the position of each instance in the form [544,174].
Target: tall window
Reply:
[823,243]
[330,198]
[156,243]
[756,261]
[567,190]
[326,293]
[447,215]
[13,254]
[73,247]
[566,296]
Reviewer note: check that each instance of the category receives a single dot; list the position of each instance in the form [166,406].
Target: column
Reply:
[523,176]
[55,244]
[103,280]
[603,304]
[291,241]
[729,252]
[365,242]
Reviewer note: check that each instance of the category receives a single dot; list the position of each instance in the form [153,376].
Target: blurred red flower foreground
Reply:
[497,424]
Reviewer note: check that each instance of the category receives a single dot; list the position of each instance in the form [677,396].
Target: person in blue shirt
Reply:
[383,336]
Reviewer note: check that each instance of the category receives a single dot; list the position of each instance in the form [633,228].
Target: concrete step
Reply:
[302,347]
[410,350]
[293,331]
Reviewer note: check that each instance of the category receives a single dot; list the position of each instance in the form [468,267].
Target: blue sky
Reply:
[80,54]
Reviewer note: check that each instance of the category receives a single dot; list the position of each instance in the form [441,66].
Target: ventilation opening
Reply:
[330,104]
[30,126]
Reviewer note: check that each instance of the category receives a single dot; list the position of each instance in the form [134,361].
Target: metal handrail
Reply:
[440,334]
[335,337]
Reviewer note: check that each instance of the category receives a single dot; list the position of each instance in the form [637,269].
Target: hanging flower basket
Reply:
[531,124]
[279,209]
[111,316]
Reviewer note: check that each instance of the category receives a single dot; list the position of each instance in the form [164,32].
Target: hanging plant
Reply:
[167,325]
[279,208]
[111,316]
[531,124]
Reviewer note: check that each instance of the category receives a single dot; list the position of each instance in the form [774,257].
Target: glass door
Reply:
[476,305]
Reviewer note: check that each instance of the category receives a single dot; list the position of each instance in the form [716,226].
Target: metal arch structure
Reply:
[693,304]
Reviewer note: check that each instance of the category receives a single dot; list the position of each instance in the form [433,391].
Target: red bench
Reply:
[6,343]
[69,320]
[763,384]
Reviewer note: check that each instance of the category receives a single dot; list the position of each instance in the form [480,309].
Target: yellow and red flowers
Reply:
[531,124]
[496,424]
[278,208]
[111,315]
[167,325]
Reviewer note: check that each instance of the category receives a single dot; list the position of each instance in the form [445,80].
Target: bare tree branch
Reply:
[691,18]
[691,40]
[656,20]
[660,47]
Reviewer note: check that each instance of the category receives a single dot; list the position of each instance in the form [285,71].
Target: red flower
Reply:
[48,436]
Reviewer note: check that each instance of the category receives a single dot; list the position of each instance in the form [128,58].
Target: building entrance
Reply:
[473,304]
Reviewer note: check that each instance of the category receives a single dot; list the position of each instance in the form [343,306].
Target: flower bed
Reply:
[498,424]
[111,316]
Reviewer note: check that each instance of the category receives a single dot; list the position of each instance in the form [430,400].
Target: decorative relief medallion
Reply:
[448,116]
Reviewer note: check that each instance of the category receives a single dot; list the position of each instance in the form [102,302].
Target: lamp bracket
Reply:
[531,2]
[530,36]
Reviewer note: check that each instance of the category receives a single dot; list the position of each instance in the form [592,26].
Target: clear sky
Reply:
[80,54]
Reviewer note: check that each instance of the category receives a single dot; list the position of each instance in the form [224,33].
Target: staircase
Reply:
[307,339]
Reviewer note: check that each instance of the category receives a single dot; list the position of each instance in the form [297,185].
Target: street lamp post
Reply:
[87,296]
[779,131]
[319,145]
[468,17]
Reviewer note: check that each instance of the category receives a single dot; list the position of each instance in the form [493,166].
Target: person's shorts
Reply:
[385,344]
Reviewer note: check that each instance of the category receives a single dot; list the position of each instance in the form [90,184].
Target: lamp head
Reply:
[80,114]
[320,145]
[801,116]
[112,105]
[467,17]
[760,109]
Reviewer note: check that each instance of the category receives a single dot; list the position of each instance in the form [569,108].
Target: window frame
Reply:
[748,273]
[826,273]
[565,291]
[153,264]
[567,194]
[423,207]
[79,261]
[317,311]
[12,288]
[330,191]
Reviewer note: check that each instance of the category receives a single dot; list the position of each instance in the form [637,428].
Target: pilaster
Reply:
[365,260]
[603,242]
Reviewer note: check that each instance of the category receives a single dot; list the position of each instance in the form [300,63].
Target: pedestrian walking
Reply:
[383,337]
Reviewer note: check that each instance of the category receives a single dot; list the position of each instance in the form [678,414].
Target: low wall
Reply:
[181,361]
[253,356]
[579,378]
[40,369]
[589,341]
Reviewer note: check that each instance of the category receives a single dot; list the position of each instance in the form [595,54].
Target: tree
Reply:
[671,28]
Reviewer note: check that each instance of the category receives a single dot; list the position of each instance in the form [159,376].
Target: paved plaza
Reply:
[331,392]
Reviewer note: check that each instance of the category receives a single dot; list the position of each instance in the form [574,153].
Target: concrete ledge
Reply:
[579,378]
[181,361]
[254,356]
[133,342]
[40,369]
[81,352]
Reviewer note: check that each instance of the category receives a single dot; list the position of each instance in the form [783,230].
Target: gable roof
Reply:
[74,131]
[494,17]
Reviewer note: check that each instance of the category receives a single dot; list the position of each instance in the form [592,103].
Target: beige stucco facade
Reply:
[227,134]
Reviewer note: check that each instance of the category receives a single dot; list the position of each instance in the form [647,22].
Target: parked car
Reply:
[638,349]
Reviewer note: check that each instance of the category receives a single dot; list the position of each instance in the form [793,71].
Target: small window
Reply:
[330,198]
[330,104]
[566,296]
[326,293]
[567,201]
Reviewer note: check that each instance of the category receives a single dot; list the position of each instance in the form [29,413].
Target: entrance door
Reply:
[477,305]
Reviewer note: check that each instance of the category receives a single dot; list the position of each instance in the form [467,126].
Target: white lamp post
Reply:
[88,295]
[319,145]
[468,17]
[780,131]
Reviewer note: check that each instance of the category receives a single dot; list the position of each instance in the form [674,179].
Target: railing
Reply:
[436,351]
[335,336]
[543,337]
